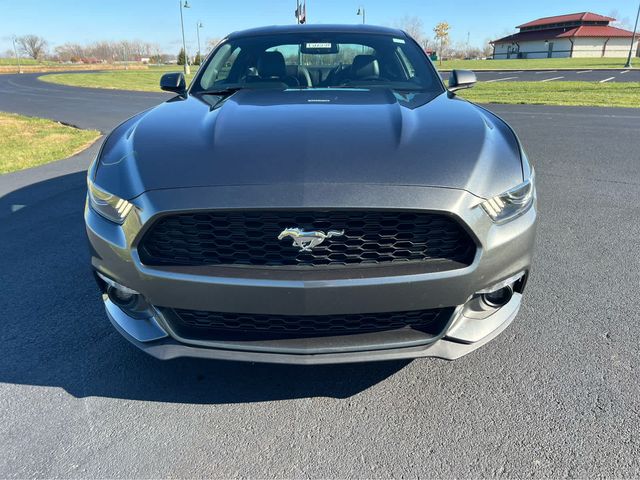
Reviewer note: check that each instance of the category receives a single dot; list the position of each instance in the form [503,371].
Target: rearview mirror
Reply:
[173,82]
[319,48]
[460,79]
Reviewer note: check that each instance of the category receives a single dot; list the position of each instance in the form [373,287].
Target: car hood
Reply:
[312,136]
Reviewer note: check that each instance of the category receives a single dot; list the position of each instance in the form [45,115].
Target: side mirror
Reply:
[460,79]
[173,82]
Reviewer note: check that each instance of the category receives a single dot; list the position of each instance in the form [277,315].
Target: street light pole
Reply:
[187,70]
[633,40]
[199,25]
[363,12]
[15,50]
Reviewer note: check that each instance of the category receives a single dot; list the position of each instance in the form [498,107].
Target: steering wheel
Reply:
[332,74]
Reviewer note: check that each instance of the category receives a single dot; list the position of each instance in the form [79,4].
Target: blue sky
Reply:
[157,21]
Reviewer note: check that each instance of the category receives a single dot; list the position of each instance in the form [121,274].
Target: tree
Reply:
[442,35]
[212,42]
[33,45]
[413,26]
[198,59]
[625,23]
[181,57]
[487,50]
[70,52]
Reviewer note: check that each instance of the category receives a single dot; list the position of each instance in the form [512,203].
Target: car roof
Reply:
[316,28]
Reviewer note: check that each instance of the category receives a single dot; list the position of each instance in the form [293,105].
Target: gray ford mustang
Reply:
[317,195]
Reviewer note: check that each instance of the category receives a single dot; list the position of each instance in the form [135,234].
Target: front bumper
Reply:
[158,343]
[503,250]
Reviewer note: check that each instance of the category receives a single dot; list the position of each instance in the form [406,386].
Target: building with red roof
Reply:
[583,34]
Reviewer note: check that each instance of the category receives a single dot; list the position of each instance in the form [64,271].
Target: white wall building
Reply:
[575,35]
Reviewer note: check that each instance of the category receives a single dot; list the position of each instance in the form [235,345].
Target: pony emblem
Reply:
[307,241]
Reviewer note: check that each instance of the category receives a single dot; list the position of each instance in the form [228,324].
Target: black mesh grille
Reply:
[251,238]
[201,325]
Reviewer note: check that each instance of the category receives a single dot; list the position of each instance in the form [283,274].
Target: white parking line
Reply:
[607,79]
[500,79]
[547,71]
[551,79]
[585,71]
[626,71]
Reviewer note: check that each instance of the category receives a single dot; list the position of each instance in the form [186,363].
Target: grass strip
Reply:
[27,142]
[135,80]
[622,94]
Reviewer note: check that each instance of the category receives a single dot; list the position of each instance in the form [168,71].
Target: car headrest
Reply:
[365,66]
[272,65]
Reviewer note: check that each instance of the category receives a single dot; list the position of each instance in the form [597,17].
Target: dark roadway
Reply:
[94,108]
[556,395]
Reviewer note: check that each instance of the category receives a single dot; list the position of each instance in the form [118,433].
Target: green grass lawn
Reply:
[171,68]
[23,61]
[28,142]
[625,94]
[533,64]
[139,80]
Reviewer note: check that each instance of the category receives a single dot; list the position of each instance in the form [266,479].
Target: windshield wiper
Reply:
[221,91]
[369,86]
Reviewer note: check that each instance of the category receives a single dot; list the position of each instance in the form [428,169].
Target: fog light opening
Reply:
[127,299]
[122,298]
[499,298]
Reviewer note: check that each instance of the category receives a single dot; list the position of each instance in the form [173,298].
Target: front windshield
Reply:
[312,60]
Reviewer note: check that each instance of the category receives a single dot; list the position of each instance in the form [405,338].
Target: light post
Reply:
[187,70]
[633,40]
[301,12]
[125,56]
[363,12]
[15,50]
[199,25]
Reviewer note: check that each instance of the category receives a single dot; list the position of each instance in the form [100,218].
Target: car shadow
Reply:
[55,333]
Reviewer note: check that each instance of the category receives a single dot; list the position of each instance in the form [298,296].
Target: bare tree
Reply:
[625,23]
[104,51]
[70,52]
[33,45]
[413,26]
[458,50]
[487,49]
[212,42]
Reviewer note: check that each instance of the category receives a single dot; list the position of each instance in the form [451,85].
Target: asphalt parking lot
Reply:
[557,394]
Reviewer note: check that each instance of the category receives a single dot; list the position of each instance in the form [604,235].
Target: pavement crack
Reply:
[596,179]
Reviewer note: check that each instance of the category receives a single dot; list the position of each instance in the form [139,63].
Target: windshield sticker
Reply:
[318,45]
[399,40]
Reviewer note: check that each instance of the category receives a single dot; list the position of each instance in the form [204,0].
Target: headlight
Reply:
[109,206]
[512,203]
